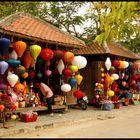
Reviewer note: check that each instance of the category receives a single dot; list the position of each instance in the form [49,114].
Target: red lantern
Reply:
[68,57]
[12,106]
[31,74]
[115,87]
[114,98]
[134,86]
[133,82]
[46,54]
[135,77]
[78,94]
[67,72]
[48,63]
[58,54]
[116,63]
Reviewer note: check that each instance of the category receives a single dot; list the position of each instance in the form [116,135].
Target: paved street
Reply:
[92,123]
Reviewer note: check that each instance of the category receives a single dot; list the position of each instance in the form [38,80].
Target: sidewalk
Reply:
[69,117]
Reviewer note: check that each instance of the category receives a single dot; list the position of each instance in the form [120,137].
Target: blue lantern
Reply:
[72,82]
[4,45]
[13,62]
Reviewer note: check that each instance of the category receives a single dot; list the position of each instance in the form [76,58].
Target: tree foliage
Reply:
[107,21]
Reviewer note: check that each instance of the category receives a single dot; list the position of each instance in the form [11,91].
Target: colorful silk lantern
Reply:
[19,88]
[72,82]
[46,54]
[65,87]
[135,77]
[58,54]
[102,69]
[12,79]
[79,61]
[116,63]
[79,94]
[3,67]
[13,55]
[130,65]
[19,47]
[108,63]
[123,83]
[79,78]
[122,65]
[35,51]
[107,81]
[13,62]
[68,57]
[39,75]
[73,68]
[20,70]
[126,64]
[115,87]
[60,66]
[4,45]
[111,79]
[67,72]
[116,76]
[135,65]
[27,59]
[110,93]
[32,74]
[48,73]
[25,75]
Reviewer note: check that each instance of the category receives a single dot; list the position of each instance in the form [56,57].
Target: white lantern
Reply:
[126,64]
[108,63]
[60,66]
[12,79]
[138,67]
[79,61]
[13,55]
[116,76]
[66,88]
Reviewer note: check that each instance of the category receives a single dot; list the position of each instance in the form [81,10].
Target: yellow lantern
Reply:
[101,85]
[73,68]
[25,75]
[13,117]
[110,93]
[122,65]
[79,79]
[111,79]
[102,74]
[102,69]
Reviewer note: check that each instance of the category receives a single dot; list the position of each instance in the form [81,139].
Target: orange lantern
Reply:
[68,57]
[27,59]
[107,81]
[19,88]
[135,65]
[19,47]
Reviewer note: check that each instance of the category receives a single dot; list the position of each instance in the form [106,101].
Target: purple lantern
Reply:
[3,67]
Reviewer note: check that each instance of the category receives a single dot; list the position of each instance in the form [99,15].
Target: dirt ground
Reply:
[121,125]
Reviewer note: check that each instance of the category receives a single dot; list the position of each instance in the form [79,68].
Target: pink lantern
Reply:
[97,96]
[48,73]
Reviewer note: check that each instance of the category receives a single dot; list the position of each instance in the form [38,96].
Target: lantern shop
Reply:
[34,51]
[112,74]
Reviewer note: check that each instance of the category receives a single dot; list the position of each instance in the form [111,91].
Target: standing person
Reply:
[48,94]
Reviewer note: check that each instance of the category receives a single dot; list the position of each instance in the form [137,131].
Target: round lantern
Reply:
[110,93]
[67,72]
[4,45]
[19,88]
[20,70]
[39,75]
[2,107]
[135,77]
[73,68]
[108,63]
[124,83]
[78,94]
[102,69]
[13,117]
[58,54]
[19,47]
[111,79]
[116,63]
[46,54]
[66,88]
[126,64]
[31,74]
[122,65]
[130,65]
[79,61]
[97,96]
[25,75]
[135,65]
[116,76]
[68,57]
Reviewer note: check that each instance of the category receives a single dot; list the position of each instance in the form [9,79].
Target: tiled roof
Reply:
[28,26]
[111,48]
